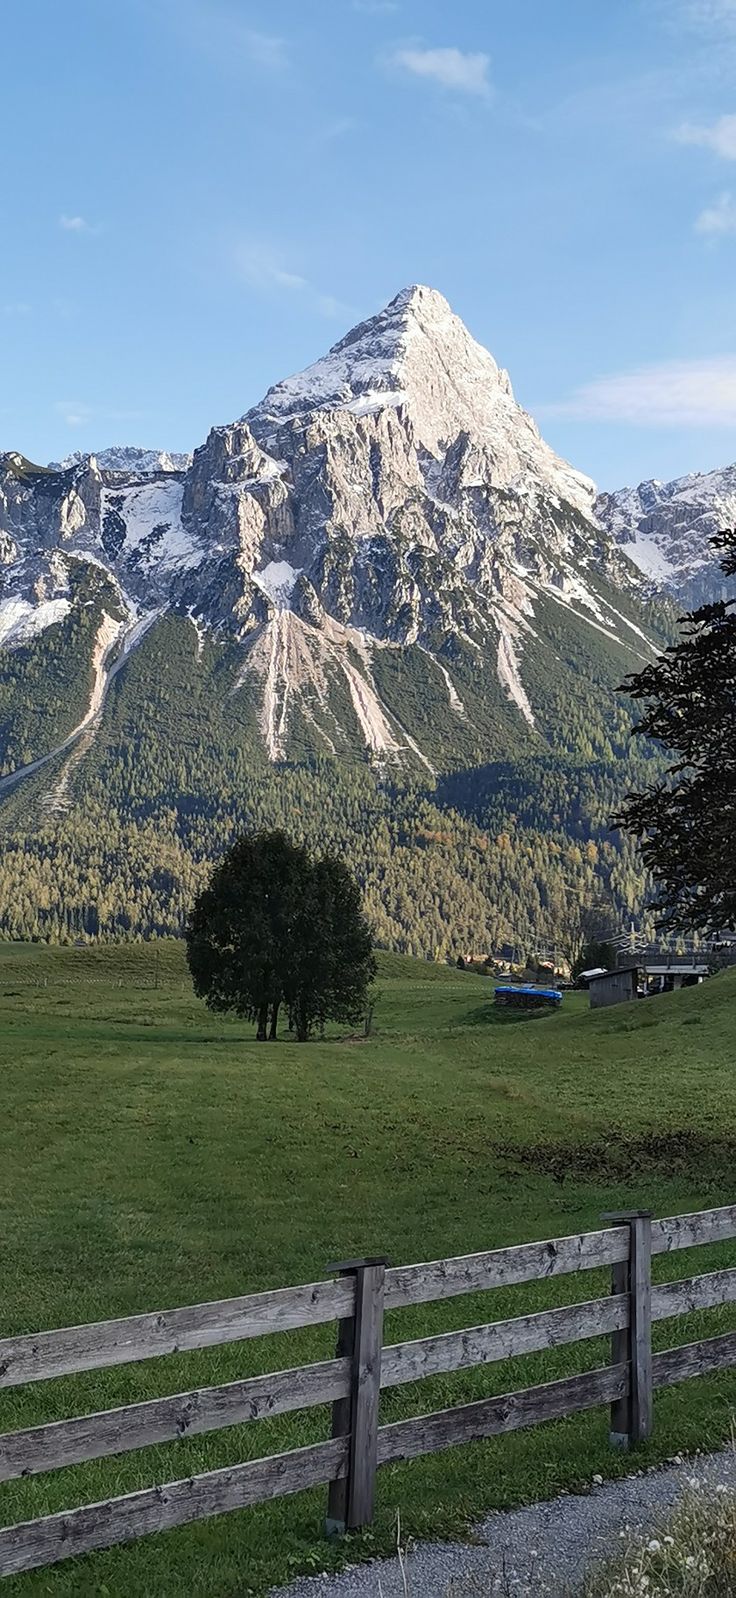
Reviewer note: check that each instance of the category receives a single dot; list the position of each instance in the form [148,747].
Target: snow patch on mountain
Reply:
[146,519]
[666,528]
[277,580]
[128,459]
[21,621]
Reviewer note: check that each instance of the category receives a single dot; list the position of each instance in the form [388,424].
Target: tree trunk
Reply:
[302,1024]
[274,1020]
[262,1024]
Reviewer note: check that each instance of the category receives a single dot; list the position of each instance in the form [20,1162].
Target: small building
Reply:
[586,977]
[644,979]
[613,987]
[666,976]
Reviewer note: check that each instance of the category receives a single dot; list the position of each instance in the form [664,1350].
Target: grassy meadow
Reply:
[153,1155]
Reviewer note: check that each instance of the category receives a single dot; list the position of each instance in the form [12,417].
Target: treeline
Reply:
[494,855]
[436,882]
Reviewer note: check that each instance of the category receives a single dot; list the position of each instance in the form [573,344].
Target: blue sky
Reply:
[200,196]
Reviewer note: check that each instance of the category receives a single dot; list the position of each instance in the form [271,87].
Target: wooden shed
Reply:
[614,987]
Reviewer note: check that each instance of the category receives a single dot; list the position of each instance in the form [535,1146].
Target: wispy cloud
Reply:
[375,8]
[266,50]
[464,72]
[719,218]
[671,394]
[15,309]
[332,131]
[709,13]
[264,268]
[75,224]
[74,412]
[77,413]
[720,137]
[261,266]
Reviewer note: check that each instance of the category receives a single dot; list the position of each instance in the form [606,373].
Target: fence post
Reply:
[360,1338]
[631,1416]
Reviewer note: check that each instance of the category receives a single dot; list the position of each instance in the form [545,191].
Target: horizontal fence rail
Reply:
[364,1366]
[42,1355]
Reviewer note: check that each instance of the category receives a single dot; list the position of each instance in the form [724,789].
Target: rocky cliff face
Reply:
[391,498]
[665,528]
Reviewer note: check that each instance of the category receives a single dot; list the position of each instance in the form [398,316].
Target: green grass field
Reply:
[152,1155]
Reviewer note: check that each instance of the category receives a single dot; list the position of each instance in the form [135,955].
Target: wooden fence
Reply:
[356,1299]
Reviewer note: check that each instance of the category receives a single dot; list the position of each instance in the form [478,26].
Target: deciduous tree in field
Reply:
[275,928]
[333,950]
[686,825]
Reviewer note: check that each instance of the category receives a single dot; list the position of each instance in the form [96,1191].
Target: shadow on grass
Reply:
[488,1015]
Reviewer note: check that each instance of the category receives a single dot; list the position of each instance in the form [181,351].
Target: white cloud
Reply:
[74,412]
[375,8]
[333,309]
[74,224]
[671,394]
[332,131]
[719,137]
[462,71]
[15,309]
[266,50]
[710,13]
[263,268]
[719,219]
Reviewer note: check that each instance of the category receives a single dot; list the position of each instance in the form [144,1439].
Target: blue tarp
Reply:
[531,992]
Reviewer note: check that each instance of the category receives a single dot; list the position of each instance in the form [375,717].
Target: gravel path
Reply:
[543,1549]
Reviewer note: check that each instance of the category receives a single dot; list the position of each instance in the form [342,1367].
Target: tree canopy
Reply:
[686,823]
[275,927]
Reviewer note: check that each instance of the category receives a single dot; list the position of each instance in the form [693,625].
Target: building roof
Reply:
[665,968]
[618,971]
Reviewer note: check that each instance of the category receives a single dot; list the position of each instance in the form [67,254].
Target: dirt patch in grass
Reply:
[619,1158]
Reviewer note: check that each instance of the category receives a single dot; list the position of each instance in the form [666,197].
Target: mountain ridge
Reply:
[374,609]
[340,518]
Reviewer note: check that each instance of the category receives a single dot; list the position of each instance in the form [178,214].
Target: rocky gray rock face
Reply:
[665,528]
[392,495]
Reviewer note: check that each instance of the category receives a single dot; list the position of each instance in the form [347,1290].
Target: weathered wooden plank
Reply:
[427,1434]
[687,1231]
[694,1359]
[37,1356]
[337,1495]
[693,1293]
[620,1421]
[504,1267]
[482,1345]
[366,1389]
[34,1543]
[640,1327]
[161,1420]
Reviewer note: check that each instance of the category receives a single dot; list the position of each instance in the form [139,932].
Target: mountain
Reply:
[665,529]
[377,591]
[391,509]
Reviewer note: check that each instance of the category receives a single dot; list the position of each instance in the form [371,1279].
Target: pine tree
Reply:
[686,824]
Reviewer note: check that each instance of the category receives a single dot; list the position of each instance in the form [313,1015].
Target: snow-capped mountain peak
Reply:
[417,355]
[389,514]
[666,528]
[127,458]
